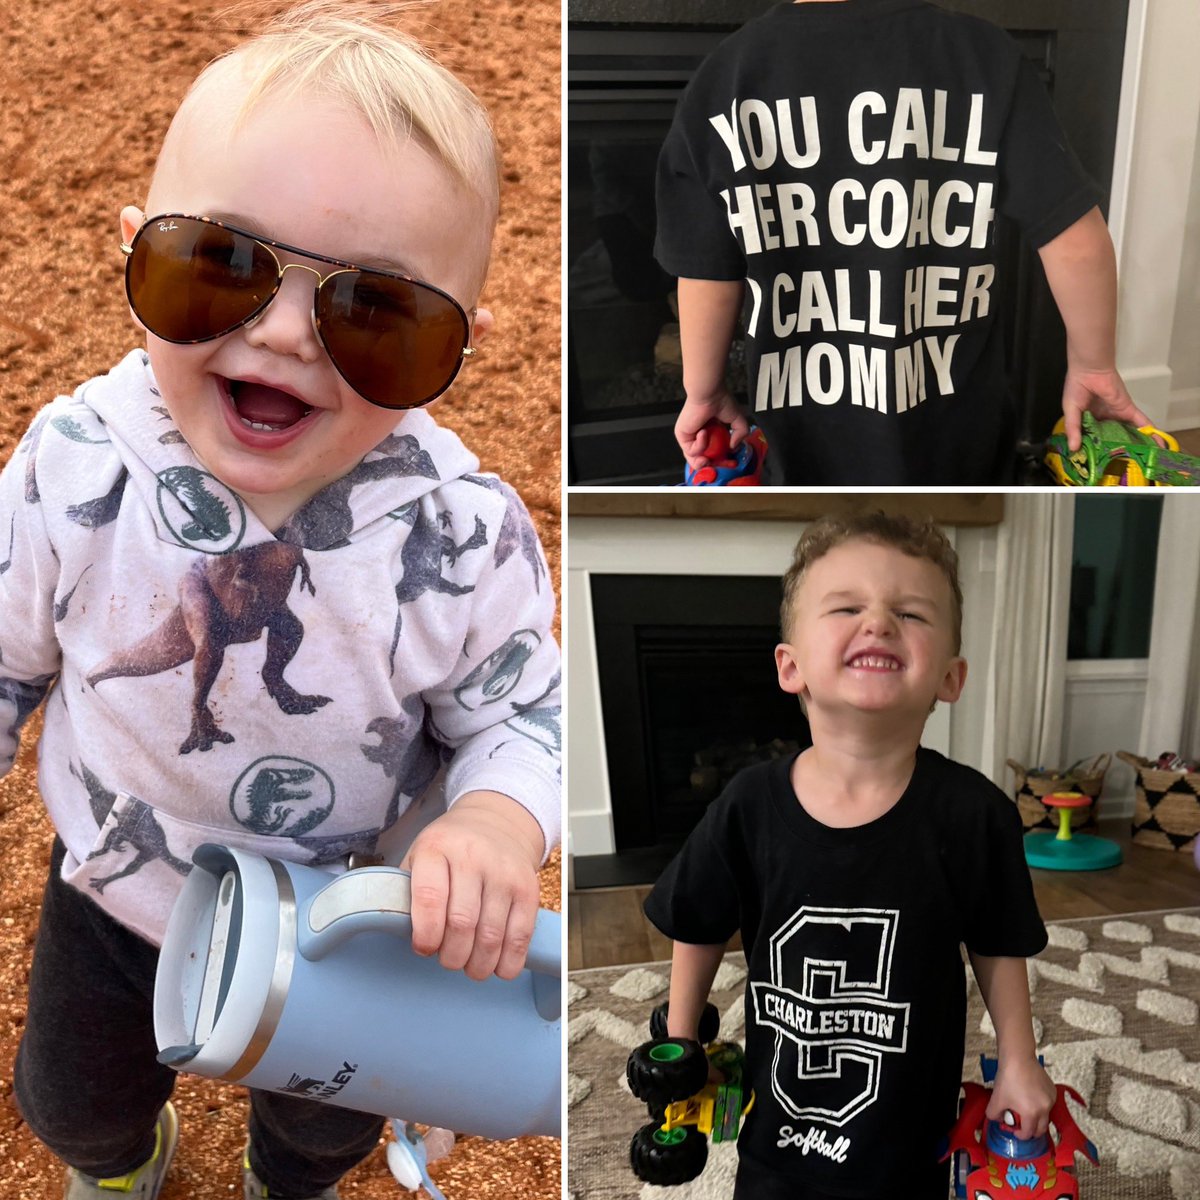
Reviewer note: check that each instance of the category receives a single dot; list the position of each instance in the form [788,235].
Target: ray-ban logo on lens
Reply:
[167,226]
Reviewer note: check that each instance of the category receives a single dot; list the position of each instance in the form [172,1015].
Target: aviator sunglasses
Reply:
[397,342]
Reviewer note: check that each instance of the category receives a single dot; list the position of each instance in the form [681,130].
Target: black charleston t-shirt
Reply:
[848,161]
[856,996]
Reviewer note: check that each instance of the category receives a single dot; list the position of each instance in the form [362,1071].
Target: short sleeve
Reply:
[693,239]
[696,899]
[1043,186]
[1004,920]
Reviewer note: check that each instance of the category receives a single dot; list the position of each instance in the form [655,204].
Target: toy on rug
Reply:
[671,1075]
[1114,454]
[728,467]
[992,1163]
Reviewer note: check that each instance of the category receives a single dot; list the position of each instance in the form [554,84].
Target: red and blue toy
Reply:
[992,1163]
[728,467]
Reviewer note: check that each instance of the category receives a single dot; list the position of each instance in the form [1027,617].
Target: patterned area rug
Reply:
[1116,1003]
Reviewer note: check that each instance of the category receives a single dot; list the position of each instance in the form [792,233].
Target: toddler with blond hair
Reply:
[271,602]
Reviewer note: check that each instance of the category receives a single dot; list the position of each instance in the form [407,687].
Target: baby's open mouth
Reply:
[264,408]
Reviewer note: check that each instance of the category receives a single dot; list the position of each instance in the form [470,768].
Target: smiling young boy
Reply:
[269,598]
[855,871]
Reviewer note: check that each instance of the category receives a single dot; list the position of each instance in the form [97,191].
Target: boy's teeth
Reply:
[260,426]
[875,663]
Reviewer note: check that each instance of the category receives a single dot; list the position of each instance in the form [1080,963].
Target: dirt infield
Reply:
[87,90]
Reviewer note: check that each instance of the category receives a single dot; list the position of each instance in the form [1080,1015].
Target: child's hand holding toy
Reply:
[1100,392]
[1022,1097]
[695,440]
[475,885]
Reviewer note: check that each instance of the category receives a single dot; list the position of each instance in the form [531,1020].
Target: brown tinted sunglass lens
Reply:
[396,343]
[190,281]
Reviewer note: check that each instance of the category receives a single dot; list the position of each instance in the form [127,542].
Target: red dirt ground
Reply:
[87,90]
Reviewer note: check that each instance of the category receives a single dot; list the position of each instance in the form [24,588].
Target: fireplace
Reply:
[628,62]
[689,697]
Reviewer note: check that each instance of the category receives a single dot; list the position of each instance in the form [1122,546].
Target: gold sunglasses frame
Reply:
[343,268]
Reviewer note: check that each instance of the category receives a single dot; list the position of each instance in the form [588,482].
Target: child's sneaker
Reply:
[255,1189]
[141,1184]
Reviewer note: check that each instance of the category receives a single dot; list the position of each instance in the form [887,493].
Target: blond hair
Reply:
[917,539]
[347,52]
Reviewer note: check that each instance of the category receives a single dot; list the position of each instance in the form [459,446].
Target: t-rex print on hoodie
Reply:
[291,692]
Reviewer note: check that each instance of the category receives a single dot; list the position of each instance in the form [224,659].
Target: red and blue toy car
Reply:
[992,1163]
[728,467]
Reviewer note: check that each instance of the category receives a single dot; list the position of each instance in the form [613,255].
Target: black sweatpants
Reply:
[87,1080]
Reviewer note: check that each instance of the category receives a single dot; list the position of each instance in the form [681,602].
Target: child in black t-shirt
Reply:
[855,871]
[843,161]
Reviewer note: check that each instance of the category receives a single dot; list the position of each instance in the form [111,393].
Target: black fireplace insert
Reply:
[689,697]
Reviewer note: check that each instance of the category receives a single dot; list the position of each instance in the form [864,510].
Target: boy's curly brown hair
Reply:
[918,539]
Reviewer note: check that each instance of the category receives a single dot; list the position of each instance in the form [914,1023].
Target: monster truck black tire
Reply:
[665,1158]
[710,1023]
[666,1070]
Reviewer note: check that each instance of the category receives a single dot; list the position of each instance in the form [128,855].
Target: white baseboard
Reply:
[1183,410]
[1150,388]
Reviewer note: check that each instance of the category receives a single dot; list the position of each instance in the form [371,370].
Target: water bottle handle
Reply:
[379,900]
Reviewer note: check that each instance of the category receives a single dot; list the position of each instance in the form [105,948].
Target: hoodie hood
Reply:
[191,507]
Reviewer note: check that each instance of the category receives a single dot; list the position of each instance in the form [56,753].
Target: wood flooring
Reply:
[606,926]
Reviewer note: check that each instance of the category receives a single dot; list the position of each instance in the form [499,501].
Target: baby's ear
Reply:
[132,219]
[482,324]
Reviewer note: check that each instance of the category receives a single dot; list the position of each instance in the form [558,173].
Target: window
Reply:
[1112,575]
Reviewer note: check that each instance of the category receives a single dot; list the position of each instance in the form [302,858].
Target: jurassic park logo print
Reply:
[200,511]
[499,673]
[282,797]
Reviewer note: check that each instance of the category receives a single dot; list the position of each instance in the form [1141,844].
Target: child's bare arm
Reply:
[1022,1087]
[1081,269]
[708,314]
[693,968]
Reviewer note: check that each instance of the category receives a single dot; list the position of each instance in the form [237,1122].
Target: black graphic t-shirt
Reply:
[849,161]
[856,997]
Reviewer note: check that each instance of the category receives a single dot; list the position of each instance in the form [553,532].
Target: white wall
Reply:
[1102,713]
[1185,337]
[1153,209]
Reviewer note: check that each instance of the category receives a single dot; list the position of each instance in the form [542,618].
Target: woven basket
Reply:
[1033,787]
[1166,806]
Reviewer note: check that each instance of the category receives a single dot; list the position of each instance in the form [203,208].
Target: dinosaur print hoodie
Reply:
[293,692]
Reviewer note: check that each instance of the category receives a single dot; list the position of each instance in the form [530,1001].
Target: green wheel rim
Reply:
[667,1052]
[670,1137]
